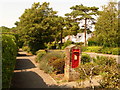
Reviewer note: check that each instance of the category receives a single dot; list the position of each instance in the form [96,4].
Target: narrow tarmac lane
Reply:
[28,75]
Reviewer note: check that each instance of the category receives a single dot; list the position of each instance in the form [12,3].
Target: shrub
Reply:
[105,63]
[9,52]
[85,69]
[116,51]
[85,58]
[94,48]
[52,61]
[111,76]
[26,48]
[40,54]
[111,79]
[104,50]
[58,65]
[66,44]
[105,66]
[92,41]
[83,48]
[102,60]
[80,43]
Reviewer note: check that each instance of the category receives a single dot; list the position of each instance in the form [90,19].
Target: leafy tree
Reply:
[72,26]
[106,33]
[5,29]
[58,25]
[84,13]
[38,25]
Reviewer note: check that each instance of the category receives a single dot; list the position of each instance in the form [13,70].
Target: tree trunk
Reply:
[85,31]
[61,39]
[61,35]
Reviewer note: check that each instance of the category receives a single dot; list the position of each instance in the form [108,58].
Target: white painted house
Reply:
[80,37]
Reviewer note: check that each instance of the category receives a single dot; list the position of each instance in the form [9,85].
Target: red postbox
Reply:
[75,57]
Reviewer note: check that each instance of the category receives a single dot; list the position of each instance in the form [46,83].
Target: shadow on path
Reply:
[30,80]
[27,79]
[22,78]
[24,64]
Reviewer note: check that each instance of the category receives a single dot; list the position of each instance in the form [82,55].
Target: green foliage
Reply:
[52,61]
[84,70]
[79,44]
[83,13]
[99,49]
[9,52]
[66,44]
[83,48]
[111,80]
[101,60]
[51,45]
[106,50]
[40,54]
[58,64]
[92,41]
[38,26]
[116,51]
[85,58]
[93,49]
[5,29]
[26,48]
[105,66]
[106,33]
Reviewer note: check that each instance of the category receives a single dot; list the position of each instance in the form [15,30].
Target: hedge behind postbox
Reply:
[85,58]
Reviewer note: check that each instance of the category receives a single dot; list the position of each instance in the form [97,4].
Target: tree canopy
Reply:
[39,25]
[80,12]
[107,26]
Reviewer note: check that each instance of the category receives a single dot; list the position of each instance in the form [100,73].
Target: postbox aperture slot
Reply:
[76,53]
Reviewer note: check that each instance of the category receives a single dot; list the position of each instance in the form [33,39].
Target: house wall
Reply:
[78,38]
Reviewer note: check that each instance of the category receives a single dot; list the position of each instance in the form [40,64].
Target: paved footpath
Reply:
[28,75]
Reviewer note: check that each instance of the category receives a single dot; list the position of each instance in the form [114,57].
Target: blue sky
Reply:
[11,10]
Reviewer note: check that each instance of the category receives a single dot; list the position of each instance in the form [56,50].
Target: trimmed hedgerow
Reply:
[9,52]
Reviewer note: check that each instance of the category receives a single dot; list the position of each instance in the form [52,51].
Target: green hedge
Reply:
[9,52]
[99,49]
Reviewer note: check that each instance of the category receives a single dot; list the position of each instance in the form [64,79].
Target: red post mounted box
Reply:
[75,57]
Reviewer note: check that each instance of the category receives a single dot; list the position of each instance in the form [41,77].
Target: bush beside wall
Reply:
[51,61]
